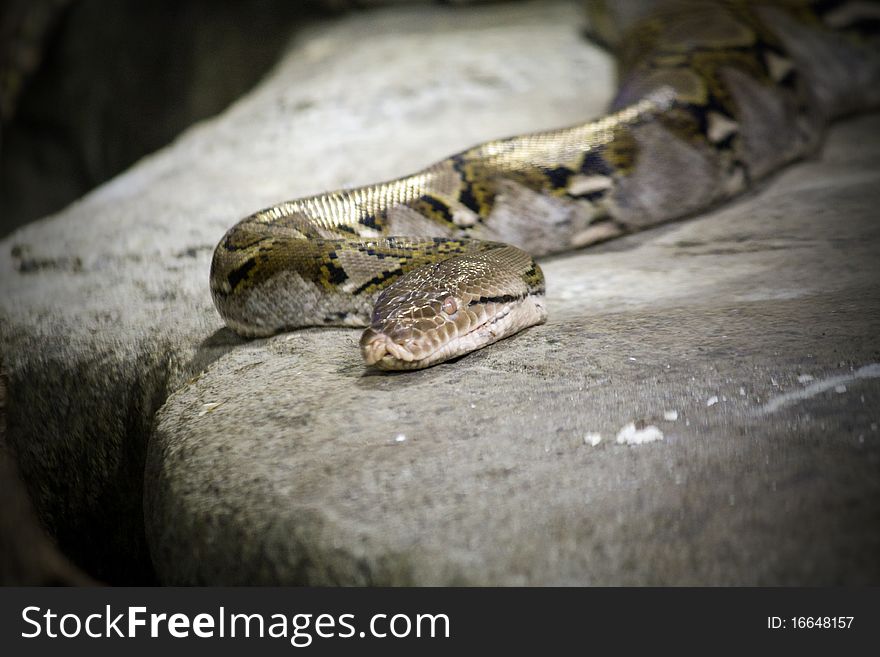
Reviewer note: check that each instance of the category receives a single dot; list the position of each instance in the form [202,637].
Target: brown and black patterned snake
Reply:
[713,96]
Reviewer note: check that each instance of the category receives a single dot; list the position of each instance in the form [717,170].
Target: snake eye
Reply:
[449,307]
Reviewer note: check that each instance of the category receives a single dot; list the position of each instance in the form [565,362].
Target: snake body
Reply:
[713,96]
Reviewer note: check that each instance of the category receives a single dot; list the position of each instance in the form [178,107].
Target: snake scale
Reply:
[713,96]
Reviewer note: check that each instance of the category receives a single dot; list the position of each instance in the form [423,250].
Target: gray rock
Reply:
[106,308]
[287,462]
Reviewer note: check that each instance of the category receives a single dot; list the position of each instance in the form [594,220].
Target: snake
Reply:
[713,96]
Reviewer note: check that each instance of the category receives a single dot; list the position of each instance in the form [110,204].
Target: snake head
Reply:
[445,310]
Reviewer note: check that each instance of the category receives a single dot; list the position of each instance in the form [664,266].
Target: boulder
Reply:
[700,408]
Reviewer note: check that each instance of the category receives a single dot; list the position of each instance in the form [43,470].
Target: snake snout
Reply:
[377,346]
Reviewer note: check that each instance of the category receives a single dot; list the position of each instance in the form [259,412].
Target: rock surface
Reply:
[754,327]
[746,337]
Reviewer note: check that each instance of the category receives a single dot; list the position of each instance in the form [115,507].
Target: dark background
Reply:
[88,87]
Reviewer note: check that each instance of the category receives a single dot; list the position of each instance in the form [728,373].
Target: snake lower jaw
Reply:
[382,352]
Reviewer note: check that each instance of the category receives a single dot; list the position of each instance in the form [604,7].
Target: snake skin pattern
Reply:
[713,96]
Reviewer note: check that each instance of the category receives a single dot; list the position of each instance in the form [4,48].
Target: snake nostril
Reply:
[373,347]
[368,336]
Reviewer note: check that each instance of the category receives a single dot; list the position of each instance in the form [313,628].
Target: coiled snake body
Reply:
[713,96]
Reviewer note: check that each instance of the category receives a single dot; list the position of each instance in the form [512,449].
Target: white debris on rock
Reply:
[712,401]
[591,438]
[806,378]
[207,408]
[671,416]
[399,438]
[630,435]
[840,389]
[871,371]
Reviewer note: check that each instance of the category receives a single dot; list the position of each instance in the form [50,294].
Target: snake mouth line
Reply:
[380,351]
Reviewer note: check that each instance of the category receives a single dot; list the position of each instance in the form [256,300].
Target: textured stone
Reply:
[482,471]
